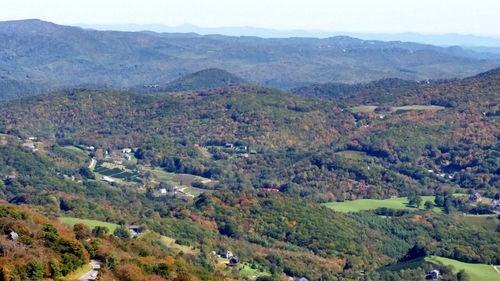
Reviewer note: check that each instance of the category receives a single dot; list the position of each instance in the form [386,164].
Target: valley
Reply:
[176,163]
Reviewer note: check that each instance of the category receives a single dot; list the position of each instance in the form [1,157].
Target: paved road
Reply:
[92,163]
[92,274]
[496,269]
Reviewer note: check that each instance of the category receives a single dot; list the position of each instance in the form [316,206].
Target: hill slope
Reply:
[203,79]
[12,88]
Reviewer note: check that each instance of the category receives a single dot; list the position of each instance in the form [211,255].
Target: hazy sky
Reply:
[481,17]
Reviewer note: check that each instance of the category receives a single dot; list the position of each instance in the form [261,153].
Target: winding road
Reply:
[92,163]
[496,269]
[92,274]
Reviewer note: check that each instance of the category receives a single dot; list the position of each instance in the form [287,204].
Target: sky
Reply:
[478,17]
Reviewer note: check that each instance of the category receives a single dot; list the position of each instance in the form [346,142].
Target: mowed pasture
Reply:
[89,223]
[477,272]
[371,108]
[372,204]
[400,203]
[117,172]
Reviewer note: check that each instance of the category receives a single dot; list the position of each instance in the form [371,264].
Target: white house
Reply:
[434,275]
[127,150]
[107,179]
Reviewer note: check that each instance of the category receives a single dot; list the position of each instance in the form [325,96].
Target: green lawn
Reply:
[477,272]
[180,180]
[89,223]
[372,204]
[418,107]
[246,270]
[74,148]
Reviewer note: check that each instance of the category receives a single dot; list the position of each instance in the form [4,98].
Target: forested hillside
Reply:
[247,169]
[204,79]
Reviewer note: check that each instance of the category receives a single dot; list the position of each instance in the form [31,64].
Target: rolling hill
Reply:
[13,89]
[203,79]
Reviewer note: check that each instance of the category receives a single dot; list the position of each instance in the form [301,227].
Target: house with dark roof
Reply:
[476,197]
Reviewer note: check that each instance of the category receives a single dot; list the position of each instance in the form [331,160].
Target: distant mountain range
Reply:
[449,39]
[64,56]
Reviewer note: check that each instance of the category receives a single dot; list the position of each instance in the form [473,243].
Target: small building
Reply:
[13,236]
[163,191]
[243,155]
[9,177]
[233,261]
[243,147]
[32,138]
[476,197]
[90,148]
[301,279]
[196,145]
[127,157]
[135,230]
[30,145]
[107,179]
[434,274]
[229,145]
[495,204]
[127,150]
[227,254]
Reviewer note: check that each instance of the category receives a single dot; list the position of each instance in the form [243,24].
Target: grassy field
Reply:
[371,108]
[411,264]
[488,222]
[372,204]
[89,223]
[77,273]
[417,107]
[477,272]
[170,243]
[183,181]
[246,270]
[117,172]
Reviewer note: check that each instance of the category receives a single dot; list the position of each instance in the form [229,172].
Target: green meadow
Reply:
[89,223]
[477,272]
[372,204]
